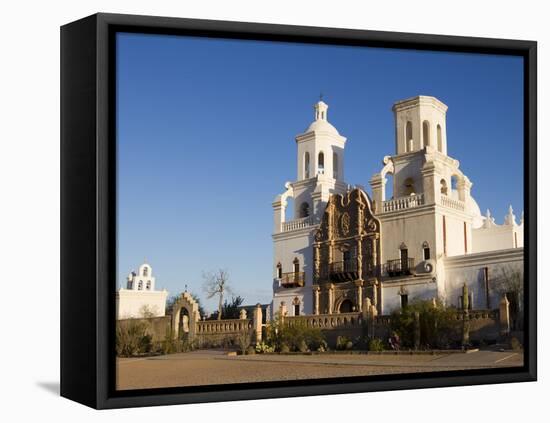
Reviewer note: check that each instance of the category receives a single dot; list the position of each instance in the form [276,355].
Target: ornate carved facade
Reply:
[346,255]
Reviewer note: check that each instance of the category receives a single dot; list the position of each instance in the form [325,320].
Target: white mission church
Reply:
[340,247]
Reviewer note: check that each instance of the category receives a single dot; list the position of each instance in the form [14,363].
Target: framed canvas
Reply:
[225,237]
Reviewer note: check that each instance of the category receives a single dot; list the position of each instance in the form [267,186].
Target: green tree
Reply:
[230,309]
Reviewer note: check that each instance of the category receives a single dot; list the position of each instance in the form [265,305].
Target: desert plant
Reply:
[262,347]
[244,339]
[343,343]
[438,324]
[376,344]
[132,338]
[323,346]
[297,336]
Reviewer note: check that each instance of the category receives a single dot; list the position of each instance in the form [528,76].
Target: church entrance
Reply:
[346,306]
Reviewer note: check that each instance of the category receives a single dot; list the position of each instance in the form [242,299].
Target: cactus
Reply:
[465,298]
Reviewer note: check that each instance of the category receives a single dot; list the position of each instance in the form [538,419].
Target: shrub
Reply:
[323,346]
[244,340]
[262,347]
[376,344]
[132,338]
[343,343]
[438,325]
[296,337]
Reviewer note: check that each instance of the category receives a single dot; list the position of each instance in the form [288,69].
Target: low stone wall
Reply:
[157,327]
[484,325]
[332,326]
[222,332]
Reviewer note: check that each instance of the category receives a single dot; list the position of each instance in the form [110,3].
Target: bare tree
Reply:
[216,283]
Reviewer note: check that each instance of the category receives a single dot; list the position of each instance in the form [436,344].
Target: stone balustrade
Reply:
[295,224]
[223,326]
[403,203]
[452,203]
[327,321]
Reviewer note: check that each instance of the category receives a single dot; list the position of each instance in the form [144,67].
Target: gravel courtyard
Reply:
[216,367]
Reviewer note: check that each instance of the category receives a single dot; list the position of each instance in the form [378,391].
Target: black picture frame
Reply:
[88,209]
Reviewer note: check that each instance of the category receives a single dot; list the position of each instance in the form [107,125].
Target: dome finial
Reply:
[321,109]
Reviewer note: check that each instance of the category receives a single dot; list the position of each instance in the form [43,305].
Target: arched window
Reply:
[304,210]
[306,165]
[426,250]
[444,189]
[335,165]
[454,182]
[426,132]
[409,186]
[279,270]
[439,139]
[321,163]
[409,136]
[145,271]
[296,304]
[148,286]
[140,285]
[296,264]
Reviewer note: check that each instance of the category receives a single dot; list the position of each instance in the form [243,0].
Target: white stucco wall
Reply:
[468,269]
[131,303]
[421,289]
[497,237]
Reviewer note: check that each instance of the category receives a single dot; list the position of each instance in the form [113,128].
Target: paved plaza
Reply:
[216,367]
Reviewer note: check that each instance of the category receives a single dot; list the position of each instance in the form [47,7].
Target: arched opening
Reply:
[279,270]
[388,188]
[408,186]
[183,324]
[296,306]
[454,182]
[346,306]
[145,271]
[426,250]
[130,284]
[335,165]
[296,265]
[408,136]
[321,163]
[444,188]
[439,139]
[290,212]
[140,285]
[148,286]
[306,165]
[426,132]
[304,210]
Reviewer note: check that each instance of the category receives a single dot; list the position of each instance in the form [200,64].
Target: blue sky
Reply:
[205,138]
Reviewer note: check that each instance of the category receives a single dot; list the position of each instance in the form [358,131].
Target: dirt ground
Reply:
[215,367]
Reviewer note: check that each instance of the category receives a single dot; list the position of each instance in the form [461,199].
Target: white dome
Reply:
[322,126]
[471,207]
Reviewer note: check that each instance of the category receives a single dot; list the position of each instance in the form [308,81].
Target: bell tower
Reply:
[319,173]
[420,122]
[320,148]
